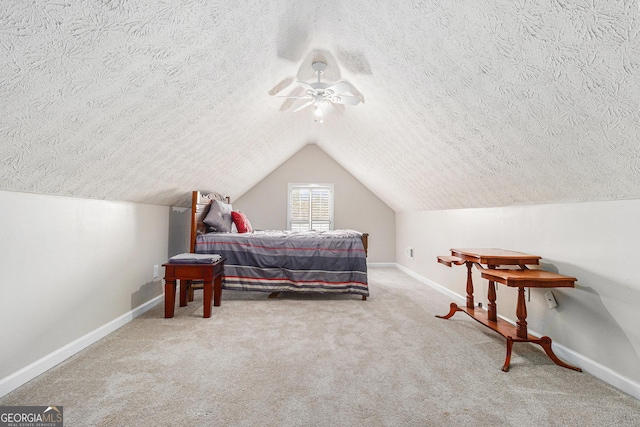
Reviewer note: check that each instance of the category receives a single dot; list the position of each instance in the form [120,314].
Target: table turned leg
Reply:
[492,309]
[208,293]
[453,309]
[507,360]
[469,285]
[521,313]
[169,297]
[545,343]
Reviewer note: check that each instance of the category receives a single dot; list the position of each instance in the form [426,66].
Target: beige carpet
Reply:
[321,361]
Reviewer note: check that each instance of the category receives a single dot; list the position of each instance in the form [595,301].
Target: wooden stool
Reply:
[210,274]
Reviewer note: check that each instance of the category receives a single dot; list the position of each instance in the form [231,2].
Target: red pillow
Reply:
[242,223]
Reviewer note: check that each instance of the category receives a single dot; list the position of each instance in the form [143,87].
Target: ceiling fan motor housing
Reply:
[319,66]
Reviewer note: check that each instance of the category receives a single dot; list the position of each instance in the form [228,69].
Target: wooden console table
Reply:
[522,278]
[210,274]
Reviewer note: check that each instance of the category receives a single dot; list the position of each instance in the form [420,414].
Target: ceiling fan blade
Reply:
[281,86]
[339,87]
[306,85]
[306,104]
[294,97]
[345,99]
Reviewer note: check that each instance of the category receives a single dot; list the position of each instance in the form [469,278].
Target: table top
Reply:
[495,256]
[529,278]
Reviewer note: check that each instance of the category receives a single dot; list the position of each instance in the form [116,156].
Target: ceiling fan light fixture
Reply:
[318,114]
[323,96]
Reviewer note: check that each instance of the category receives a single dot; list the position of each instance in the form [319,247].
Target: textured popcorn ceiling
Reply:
[468,103]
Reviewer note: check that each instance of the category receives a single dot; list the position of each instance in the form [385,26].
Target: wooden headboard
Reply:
[200,202]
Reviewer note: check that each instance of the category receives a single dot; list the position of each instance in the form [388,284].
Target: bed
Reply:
[278,261]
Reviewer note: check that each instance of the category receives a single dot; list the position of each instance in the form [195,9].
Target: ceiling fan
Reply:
[323,95]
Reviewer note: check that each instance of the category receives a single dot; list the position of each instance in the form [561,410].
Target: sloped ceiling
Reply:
[468,103]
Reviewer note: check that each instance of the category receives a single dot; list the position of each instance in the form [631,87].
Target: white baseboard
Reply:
[434,285]
[599,371]
[26,374]
[572,357]
[380,264]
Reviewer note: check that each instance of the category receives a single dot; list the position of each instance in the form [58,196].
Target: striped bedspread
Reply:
[286,261]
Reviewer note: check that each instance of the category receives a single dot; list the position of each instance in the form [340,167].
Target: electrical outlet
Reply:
[408,252]
[156,270]
[551,300]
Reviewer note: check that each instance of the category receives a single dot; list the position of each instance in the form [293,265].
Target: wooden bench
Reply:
[211,276]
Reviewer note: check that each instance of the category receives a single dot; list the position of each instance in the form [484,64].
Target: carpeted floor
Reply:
[320,360]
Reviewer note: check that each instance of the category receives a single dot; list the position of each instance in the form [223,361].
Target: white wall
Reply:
[70,266]
[356,207]
[596,242]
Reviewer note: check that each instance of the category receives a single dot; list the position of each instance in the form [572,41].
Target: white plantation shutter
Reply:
[299,206]
[310,207]
[321,209]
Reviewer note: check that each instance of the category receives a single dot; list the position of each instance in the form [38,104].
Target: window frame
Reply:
[310,186]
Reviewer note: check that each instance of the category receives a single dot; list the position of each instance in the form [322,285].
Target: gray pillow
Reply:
[219,217]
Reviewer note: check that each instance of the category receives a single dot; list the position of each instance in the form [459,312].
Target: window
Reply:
[310,207]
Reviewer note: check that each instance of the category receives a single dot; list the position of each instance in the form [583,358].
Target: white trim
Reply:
[572,357]
[292,185]
[26,374]
[380,264]
[434,285]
